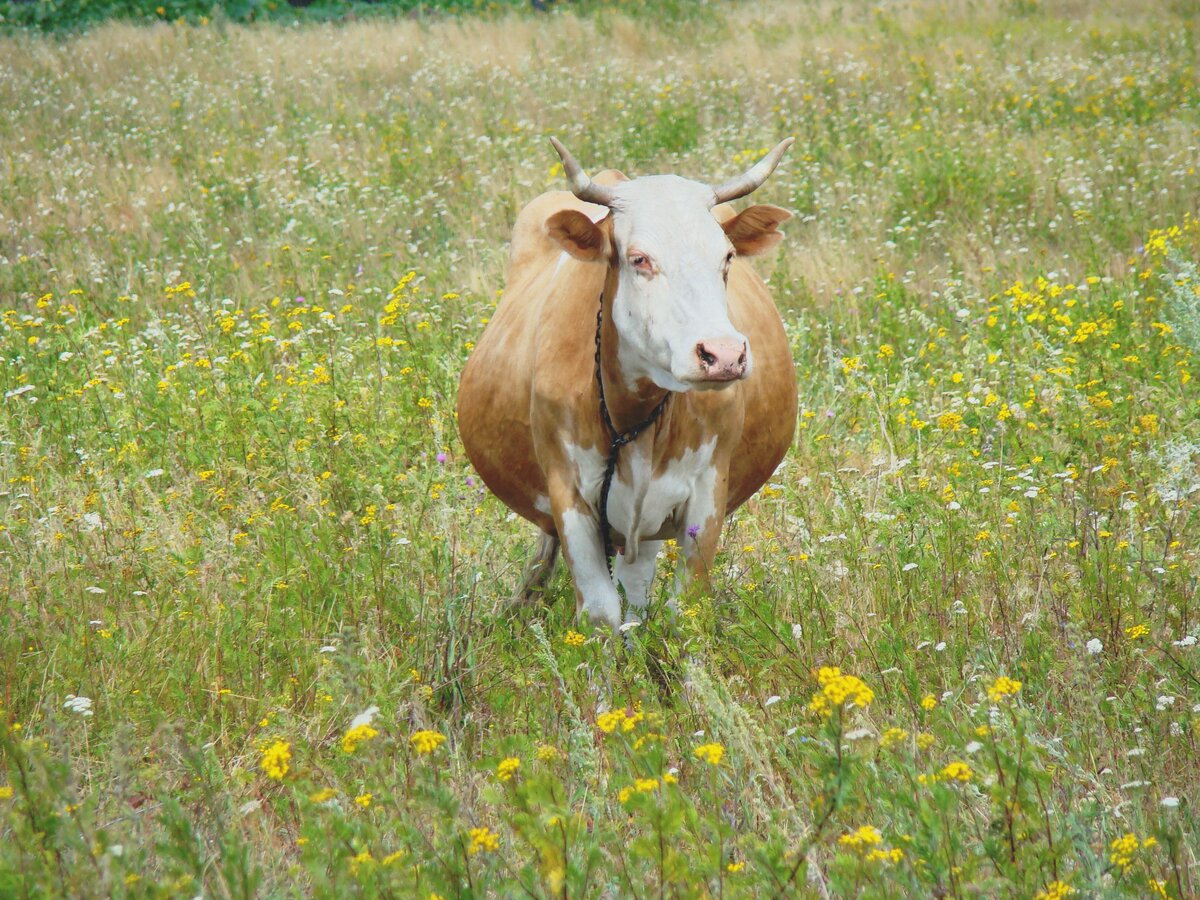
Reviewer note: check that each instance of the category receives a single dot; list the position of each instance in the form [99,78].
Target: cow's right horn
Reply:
[752,179]
[581,185]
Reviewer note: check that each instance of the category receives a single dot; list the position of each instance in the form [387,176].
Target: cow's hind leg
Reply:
[539,568]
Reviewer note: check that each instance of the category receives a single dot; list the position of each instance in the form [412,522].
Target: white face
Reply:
[671,308]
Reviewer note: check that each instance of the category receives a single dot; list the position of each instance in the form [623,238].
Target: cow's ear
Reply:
[753,231]
[580,236]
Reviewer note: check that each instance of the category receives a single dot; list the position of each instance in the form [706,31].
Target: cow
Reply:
[635,382]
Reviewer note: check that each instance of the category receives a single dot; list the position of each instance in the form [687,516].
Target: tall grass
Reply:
[257,638]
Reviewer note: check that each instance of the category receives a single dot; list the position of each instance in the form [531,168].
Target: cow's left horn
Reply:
[581,185]
[752,179]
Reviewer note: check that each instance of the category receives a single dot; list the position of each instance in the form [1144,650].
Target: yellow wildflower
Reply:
[359,734]
[426,741]
[928,701]
[837,689]
[710,753]
[861,838]
[1055,890]
[508,768]
[364,800]
[957,771]
[640,786]
[275,760]
[950,421]
[574,639]
[483,839]
[1123,850]
[608,722]
[1002,688]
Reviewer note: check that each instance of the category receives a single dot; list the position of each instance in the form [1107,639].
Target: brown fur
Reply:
[532,373]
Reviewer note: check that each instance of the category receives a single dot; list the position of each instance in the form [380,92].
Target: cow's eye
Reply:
[641,262]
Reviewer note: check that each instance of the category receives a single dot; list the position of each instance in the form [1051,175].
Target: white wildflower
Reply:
[365,717]
[81,705]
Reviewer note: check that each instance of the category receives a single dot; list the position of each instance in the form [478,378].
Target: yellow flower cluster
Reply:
[955,771]
[867,840]
[1055,890]
[1137,631]
[892,736]
[1124,848]
[483,839]
[426,741]
[508,768]
[617,718]
[359,734]
[837,689]
[640,786]
[275,760]
[574,639]
[1002,688]
[710,753]
[863,837]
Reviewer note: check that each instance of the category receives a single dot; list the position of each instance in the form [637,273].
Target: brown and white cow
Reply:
[681,313]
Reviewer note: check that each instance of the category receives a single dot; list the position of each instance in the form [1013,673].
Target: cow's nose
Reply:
[722,359]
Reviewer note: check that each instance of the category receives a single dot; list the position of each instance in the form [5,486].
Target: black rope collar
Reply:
[619,440]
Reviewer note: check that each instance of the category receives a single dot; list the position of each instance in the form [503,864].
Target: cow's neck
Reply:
[627,407]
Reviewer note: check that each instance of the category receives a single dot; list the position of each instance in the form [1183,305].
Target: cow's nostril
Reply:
[706,358]
[742,358]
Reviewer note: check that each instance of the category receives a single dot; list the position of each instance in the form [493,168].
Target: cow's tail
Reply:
[539,568]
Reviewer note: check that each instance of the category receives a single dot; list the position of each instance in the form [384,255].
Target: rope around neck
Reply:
[619,440]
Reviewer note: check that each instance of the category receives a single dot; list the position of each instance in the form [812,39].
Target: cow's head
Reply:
[672,258]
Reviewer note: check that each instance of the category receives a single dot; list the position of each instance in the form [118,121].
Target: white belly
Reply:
[645,506]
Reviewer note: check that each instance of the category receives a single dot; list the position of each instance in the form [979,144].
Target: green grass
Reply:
[241,269]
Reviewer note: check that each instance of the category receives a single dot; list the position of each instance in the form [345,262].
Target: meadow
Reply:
[256,630]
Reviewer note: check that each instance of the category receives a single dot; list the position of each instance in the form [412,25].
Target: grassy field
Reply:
[255,633]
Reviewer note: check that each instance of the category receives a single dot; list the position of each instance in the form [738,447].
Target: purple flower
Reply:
[470,481]
[300,299]
[441,457]
[693,530]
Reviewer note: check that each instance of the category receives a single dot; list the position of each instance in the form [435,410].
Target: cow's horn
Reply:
[752,179]
[581,185]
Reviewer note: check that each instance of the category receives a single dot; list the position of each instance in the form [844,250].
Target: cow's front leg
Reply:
[595,594]
[636,578]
